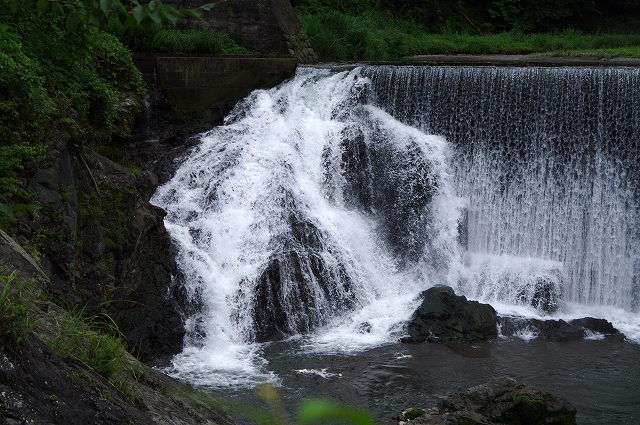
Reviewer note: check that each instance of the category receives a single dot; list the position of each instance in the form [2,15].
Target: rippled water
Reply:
[601,379]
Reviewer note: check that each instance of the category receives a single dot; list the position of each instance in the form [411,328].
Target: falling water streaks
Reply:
[325,205]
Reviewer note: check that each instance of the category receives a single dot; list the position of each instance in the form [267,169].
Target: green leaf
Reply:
[40,7]
[6,210]
[208,6]
[57,11]
[105,5]
[20,208]
[139,13]
[170,16]
[15,4]
[193,13]
[318,410]
[73,20]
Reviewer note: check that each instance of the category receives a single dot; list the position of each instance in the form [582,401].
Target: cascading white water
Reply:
[324,206]
[307,210]
[548,159]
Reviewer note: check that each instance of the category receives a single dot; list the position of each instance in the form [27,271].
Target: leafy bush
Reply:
[493,16]
[58,87]
[375,36]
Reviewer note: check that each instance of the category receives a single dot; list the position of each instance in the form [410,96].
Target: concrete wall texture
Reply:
[269,26]
[202,82]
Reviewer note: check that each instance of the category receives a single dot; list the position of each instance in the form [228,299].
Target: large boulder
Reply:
[301,287]
[445,316]
[502,401]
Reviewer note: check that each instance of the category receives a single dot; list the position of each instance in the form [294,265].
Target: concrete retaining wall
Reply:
[204,82]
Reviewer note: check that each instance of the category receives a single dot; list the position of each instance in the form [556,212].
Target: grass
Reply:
[15,318]
[375,37]
[173,41]
[97,342]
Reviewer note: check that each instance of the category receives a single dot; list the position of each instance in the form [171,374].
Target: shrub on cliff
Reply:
[57,88]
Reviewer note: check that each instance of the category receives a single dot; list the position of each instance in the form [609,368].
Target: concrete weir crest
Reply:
[270,27]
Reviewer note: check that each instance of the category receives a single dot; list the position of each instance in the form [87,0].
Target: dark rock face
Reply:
[559,330]
[500,402]
[396,184]
[17,260]
[404,186]
[543,295]
[106,248]
[35,387]
[444,316]
[298,290]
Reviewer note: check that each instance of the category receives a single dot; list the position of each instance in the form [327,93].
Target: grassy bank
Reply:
[373,36]
[173,41]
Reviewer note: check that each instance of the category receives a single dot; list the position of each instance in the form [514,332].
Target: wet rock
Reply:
[38,386]
[558,330]
[502,401]
[599,326]
[444,316]
[404,184]
[364,328]
[17,260]
[543,295]
[299,288]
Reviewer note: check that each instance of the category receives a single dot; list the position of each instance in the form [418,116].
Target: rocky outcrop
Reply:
[105,247]
[15,259]
[500,402]
[444,316]
[559,330]
[301,287]
[39,386]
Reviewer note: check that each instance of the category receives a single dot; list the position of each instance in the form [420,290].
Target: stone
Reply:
[558,330]
[17,260]
[544,294]
[503,401]
[37,386]
[111,253]
[298,289]
[444,316]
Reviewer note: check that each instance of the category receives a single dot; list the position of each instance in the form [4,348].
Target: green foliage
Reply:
[57,87]
[493,16]
[97,342]
[322,411]
[15,318]
[99,12]
[24,103]
[413,413]
[15,159]
[340,37]
[156,39]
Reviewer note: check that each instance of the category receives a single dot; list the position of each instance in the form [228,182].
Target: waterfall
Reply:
[323,206]
[309,209]
[549,159]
